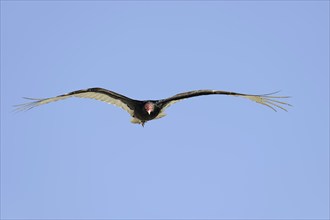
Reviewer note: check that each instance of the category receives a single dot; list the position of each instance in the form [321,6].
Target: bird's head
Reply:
[149,107]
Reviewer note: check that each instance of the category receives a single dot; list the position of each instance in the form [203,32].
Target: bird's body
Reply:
[141,114]
[143,111]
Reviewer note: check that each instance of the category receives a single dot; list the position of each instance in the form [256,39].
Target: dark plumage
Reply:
[143,111]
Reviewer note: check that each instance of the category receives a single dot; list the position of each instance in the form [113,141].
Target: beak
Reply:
[149,112]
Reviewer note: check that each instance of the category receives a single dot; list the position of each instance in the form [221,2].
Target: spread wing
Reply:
[270,100]
[100,94]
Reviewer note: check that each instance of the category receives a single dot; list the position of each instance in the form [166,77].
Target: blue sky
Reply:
[210,157]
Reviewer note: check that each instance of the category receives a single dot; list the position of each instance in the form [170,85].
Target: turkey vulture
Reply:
[143,111]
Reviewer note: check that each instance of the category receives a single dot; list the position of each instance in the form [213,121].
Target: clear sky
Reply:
[210,157]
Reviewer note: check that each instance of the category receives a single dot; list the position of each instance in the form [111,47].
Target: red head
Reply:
[149,107]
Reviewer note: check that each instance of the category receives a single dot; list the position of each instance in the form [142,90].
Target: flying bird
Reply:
[147,110]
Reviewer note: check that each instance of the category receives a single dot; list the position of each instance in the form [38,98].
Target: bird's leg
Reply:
[142,123]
